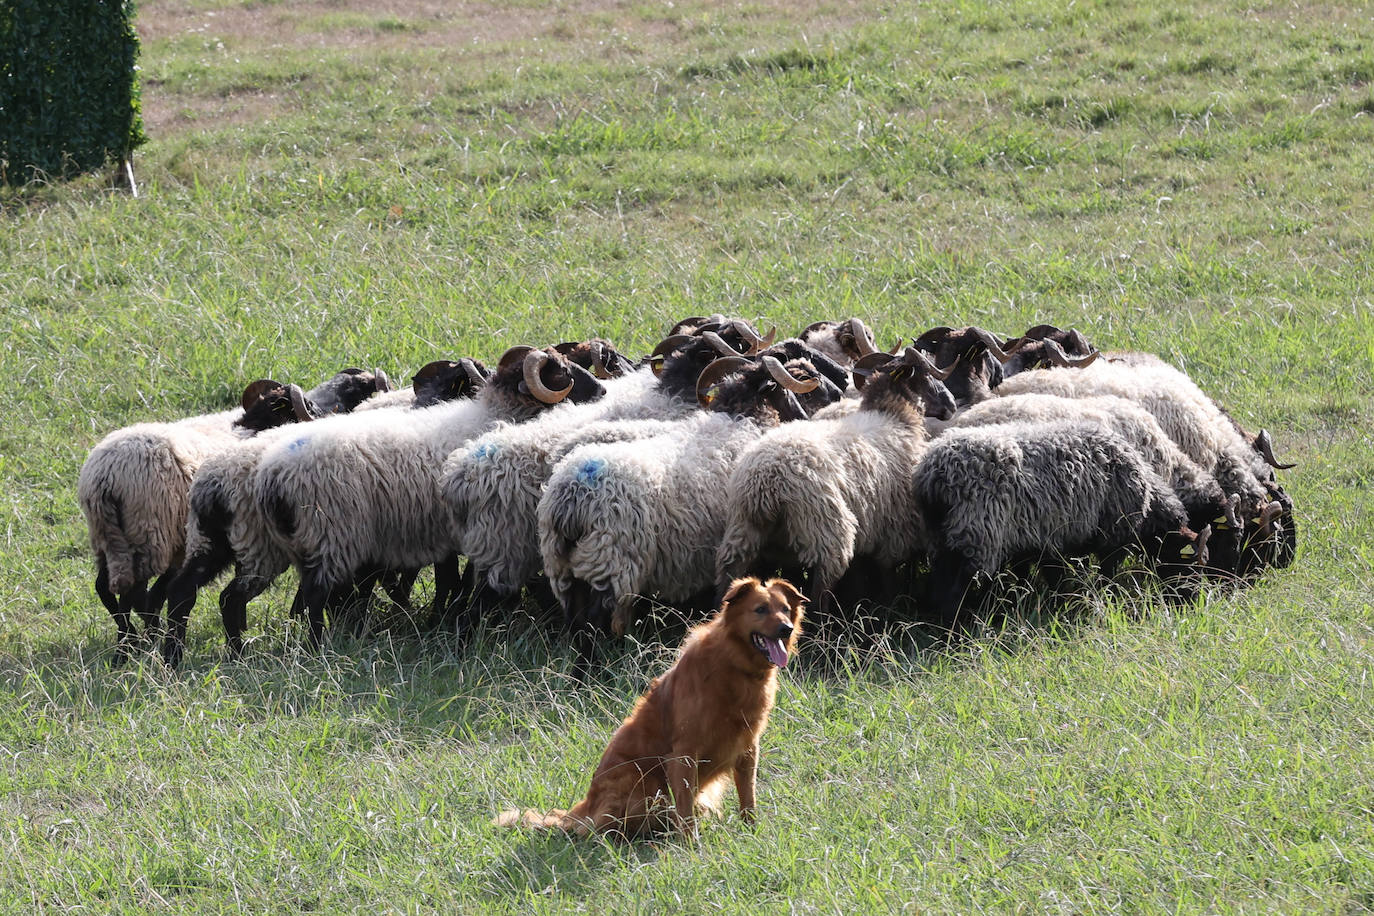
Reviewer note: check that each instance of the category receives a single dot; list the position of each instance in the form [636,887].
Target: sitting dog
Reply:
[697,725]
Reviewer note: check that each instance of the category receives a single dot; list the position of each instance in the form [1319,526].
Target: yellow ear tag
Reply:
[1187,551]
[1256,519]
[712,393]
[1219,523]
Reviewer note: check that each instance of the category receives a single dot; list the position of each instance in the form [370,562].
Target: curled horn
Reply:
[669,344]
[863,341]
[1231,512]
[911,356]
[1060,358]
[1267,515]
[513,356]
[380,382]
[298,404]
[988,340]
[1200,544]
[475,378]
[867,365]
[814,326]
[257,390]
[535,361]
[1079,342]
[721,347]
[1265,446]
[716,371]
[599,359]
[756,343]
[787,379]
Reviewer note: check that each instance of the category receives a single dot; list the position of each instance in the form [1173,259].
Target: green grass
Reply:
[328,185]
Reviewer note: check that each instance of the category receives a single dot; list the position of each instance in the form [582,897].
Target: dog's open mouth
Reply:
[772,647]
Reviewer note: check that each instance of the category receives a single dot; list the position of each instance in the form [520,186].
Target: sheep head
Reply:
[973,355]
[679,361]
[269,404]
[448,380]
[598,356]
[529,380]
[904,382]
[764,389]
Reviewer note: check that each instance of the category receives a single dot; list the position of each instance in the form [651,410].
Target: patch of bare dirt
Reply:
[561,28]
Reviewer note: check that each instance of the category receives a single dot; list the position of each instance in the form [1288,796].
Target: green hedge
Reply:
[68,87]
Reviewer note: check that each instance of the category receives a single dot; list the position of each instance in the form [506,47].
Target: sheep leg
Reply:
[102,587]
[398,584]
[151,612]
[233,607]
[135,597]
[950,578]
[198,571]
[314,595]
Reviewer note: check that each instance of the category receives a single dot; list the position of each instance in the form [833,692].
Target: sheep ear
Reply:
[257,391]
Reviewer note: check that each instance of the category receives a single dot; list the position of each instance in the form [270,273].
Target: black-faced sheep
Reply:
[1001,495]
[225,526]
[134,489]
[1202,497]
[820,494]
[361,494]
[1201,429]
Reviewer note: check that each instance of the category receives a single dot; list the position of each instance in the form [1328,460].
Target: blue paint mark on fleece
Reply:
[299,444]
[484,451]
[591,472]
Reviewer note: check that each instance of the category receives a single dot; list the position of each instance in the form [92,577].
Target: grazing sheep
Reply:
[997,495]
[225,526]
[625,519]
[1202,497]
[1201,429]
[133,489]
[362,494]
[822,493]
[492,486]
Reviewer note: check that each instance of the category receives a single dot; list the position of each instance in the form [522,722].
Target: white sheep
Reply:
[820,494]
[361,494]
[133,489]
[225,525]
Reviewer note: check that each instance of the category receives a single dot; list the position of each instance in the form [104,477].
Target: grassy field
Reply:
[384,182]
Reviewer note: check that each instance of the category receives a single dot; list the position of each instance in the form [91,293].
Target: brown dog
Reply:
[697,725]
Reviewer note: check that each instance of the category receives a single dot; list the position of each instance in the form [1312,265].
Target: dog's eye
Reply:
[761,609]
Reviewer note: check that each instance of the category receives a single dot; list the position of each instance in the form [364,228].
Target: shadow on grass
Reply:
[556,864]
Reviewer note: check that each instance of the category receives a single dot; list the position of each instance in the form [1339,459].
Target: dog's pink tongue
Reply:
[777,652]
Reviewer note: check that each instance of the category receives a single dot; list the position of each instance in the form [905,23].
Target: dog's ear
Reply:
[736,589]
[795,599]
[738,586]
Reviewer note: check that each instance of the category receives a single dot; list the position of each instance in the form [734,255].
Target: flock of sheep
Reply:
[576,474]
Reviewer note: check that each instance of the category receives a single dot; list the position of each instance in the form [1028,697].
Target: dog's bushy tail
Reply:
[529,819]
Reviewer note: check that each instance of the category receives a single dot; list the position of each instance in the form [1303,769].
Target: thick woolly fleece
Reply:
[363,492]
[491,486]
[995,493]
[1188,416]
[133,490]
[134,486]
[825,492]
[1199,491]
[642,517]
